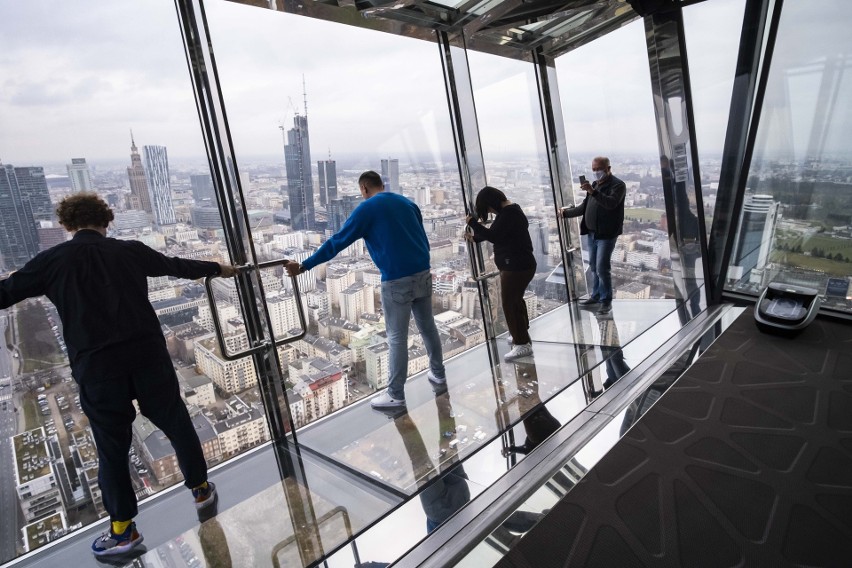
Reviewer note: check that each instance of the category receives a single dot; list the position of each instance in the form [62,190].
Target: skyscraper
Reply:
[390,174]
[340,209]
[78,174]
[327,180]
[300,186]
[202,189]
[19,236]
[33,188]
[140,199]
[159,187]
[754,240]
[539,232]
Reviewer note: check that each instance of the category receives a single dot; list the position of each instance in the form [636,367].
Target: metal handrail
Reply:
[263,344]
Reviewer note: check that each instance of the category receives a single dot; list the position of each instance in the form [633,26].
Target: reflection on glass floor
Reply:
[480,402]
[360,468]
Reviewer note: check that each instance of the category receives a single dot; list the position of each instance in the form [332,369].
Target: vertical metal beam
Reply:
[672,97]
[746,101]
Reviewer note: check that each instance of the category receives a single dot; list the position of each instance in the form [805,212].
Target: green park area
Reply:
[643,215]
[32,416]
[37,343]
[825,253]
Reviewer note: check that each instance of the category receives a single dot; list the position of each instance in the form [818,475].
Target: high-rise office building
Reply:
[340,209]
[159,187]
[202,189]
[754,240]
[390,174]
[139,196]
[539,233]
[78,174]
[300,187]
[33,187]
[327,180]
[422,196]
[19,236]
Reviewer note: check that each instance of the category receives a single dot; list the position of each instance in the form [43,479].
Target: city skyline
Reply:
[104,84]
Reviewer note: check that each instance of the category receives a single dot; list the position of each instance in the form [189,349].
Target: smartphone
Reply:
[582,180]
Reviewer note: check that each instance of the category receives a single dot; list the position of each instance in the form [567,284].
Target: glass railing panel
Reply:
[609,112]
[300,151]
[80,117]
[794,225]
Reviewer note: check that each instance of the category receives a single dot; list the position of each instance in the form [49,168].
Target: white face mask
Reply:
[598,175]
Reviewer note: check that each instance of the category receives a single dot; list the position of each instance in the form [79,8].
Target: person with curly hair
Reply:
[116,350]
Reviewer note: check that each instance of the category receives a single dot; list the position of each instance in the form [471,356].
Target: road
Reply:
[8,427]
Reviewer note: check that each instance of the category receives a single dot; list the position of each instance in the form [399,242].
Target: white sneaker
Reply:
[387,401]
[438,381]
[518,351]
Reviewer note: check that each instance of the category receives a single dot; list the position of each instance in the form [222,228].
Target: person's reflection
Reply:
[686,229]
[539,423]
[214,545]
[614,361]
[450,492]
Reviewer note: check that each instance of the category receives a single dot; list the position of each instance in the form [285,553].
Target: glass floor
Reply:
[368,486]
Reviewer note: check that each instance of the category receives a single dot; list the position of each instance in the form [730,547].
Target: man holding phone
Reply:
[602,218]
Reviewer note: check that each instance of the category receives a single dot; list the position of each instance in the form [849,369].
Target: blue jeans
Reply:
[600,265]
[401,298]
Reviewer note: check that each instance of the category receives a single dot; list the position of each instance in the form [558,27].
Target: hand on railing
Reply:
[293,268]
[227,270]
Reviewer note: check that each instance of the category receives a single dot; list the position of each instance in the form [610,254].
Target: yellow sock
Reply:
[118,527]
[202,486]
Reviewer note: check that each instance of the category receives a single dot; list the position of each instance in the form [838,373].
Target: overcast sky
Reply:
[78,75]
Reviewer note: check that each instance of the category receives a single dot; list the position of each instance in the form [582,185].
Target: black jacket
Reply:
[513,249]
[100,290]
[609,198]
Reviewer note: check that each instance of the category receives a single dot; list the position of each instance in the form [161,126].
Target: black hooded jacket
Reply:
[100,289]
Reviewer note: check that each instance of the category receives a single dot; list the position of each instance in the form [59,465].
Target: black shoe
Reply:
[605,308]
[589,302]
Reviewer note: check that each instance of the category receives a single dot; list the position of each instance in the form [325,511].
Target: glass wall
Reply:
[111,111]
[513,149]
[607,106]
[311,105]
[712,32]
[797,213]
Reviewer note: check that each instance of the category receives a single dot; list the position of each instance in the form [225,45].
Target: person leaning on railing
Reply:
[116,350]
[513,255]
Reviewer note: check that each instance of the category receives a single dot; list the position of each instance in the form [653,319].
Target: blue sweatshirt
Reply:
[392,227]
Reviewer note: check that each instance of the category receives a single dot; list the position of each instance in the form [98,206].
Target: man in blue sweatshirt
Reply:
[392,227]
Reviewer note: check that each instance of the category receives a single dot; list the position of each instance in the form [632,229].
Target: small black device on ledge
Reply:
[785,309]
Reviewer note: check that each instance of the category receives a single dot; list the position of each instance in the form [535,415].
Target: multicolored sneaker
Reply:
[204,497]
[110,544]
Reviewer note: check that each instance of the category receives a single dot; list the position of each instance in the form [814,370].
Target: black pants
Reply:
[108,405]
[513,286]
